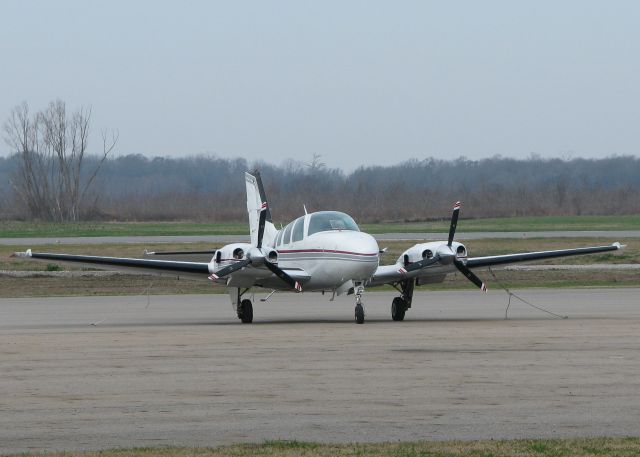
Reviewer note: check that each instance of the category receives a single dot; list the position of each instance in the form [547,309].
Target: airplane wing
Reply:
[189,256]
[477,262]
[197,270]
[449,257]
[247,276]
[437,268]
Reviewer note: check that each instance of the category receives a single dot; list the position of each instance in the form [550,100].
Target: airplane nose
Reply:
[361,248]
[358,243]
[370,244]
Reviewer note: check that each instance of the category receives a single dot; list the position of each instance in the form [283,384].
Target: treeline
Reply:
[205,188]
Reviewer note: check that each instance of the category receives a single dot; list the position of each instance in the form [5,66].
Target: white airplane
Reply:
[318,252]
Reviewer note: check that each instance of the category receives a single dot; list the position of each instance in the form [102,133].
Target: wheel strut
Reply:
[359,311]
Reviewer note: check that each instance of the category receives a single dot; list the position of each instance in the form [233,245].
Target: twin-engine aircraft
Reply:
[318,252]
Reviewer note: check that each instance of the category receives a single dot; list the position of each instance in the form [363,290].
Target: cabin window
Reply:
[298,230]
[331,220]
[287,234]
[279,237]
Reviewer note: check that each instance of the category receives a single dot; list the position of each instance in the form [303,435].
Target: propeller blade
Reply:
[470,275]
[454,223]
[284,276]
[226,271]
[261,223]
[422,263]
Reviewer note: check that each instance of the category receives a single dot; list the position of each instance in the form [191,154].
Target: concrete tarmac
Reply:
[104,372]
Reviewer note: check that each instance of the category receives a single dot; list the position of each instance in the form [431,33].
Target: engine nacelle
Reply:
[231,252]
[423,251]
[271,255]
[240,251]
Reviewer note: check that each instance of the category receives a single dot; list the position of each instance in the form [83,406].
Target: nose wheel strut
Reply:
[359,311]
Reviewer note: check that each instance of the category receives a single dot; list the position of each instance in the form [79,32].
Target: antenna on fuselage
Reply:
[305,209]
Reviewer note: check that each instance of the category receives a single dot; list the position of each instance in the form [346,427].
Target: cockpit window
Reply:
[287,234]
[331,220]
[298,230]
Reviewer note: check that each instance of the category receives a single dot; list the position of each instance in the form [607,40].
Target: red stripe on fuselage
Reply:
[295,251]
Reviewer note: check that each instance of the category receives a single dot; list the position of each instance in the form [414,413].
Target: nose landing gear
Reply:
[359,311]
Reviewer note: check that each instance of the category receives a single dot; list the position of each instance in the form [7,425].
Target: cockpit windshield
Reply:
[330,220]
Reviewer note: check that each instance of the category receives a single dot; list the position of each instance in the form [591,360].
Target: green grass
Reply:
[582,447]
[16,229]
[514,224]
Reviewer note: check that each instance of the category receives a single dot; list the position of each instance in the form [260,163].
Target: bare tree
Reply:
[31,182]
[316,163]
[52,147]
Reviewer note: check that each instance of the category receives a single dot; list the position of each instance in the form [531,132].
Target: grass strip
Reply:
[577,447]
[22,229]
[124,284]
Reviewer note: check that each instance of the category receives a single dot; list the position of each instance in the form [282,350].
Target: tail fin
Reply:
[257,202]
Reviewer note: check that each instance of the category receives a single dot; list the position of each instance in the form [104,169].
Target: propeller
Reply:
[226,271]
[454,223]
[458,263]
[280,273]
[256,257]
[445,257]
[261,223]
[470,275]
[438,258]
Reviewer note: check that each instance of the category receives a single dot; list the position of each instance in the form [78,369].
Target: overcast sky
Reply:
[359,82]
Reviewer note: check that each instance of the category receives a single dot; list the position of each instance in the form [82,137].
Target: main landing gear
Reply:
[359,312]
[400,304]
[244,308]
[398,308]
[245,311]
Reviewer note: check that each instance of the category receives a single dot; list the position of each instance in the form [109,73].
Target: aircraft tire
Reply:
[246,311]
[398,308]
[359,314]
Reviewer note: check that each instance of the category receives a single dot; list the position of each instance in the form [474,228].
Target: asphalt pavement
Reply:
[104,372]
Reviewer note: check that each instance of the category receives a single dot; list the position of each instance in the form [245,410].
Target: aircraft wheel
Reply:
[246,311]
[359,314]
[398,308]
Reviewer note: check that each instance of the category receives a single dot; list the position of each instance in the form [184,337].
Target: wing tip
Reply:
[26,253]
[618,245]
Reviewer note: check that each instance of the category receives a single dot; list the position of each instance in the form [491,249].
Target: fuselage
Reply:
[328,246]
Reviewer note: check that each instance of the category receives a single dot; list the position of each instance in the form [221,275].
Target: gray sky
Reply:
[360,82]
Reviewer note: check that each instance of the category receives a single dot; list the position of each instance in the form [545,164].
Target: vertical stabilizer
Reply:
[257,202]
